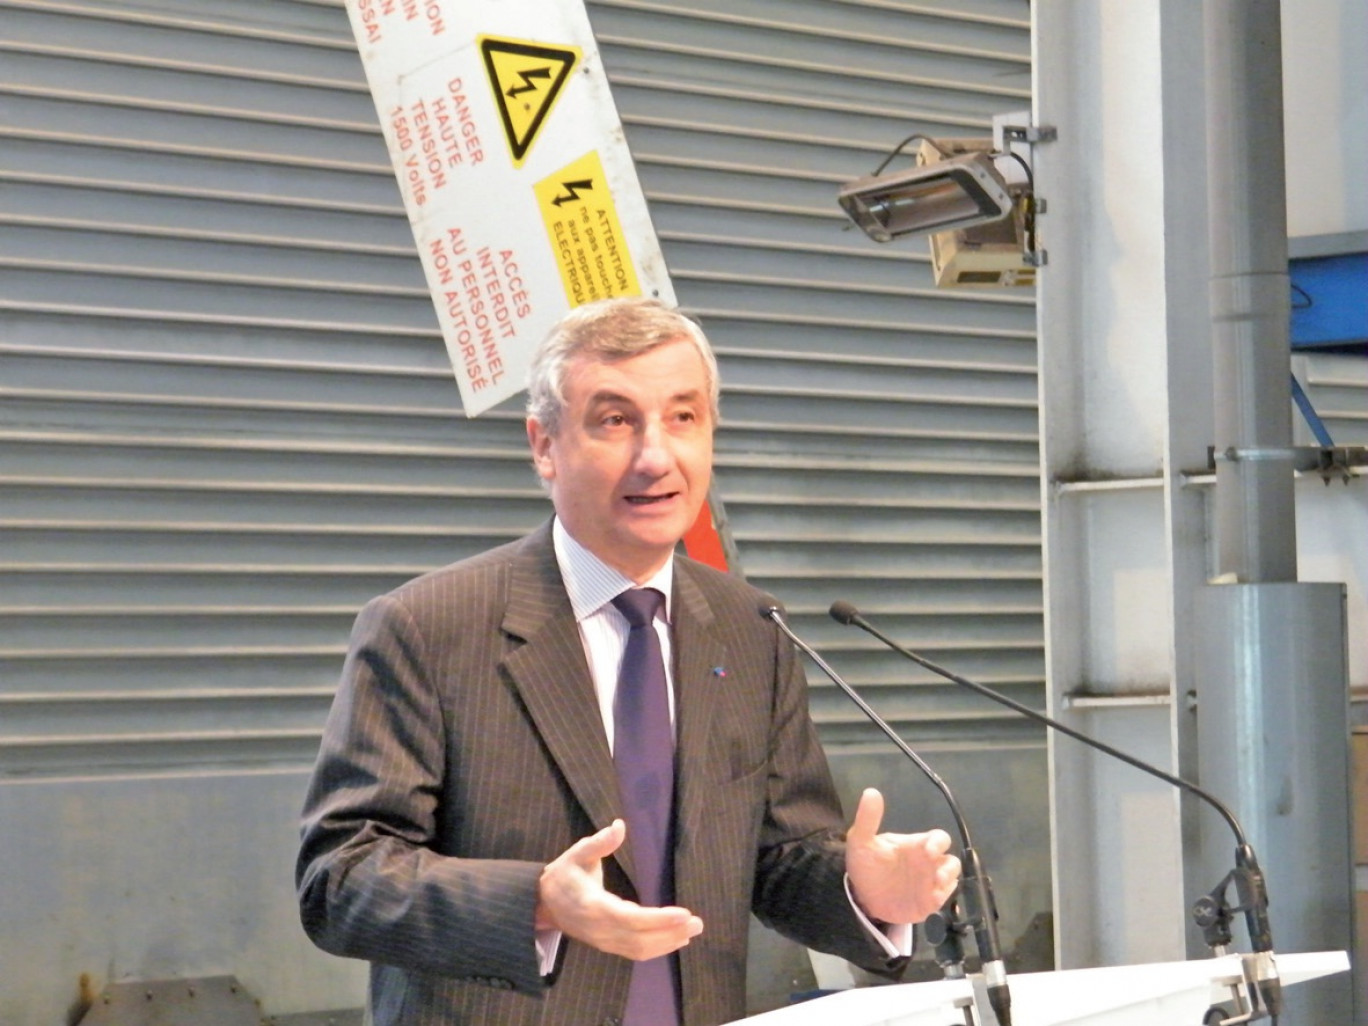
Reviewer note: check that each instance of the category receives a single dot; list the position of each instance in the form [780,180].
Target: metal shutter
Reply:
[1337,385]
[226,419]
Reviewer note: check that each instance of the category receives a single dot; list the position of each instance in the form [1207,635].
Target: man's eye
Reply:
[614,420]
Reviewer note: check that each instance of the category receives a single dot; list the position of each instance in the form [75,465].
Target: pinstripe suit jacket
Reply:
[465,750]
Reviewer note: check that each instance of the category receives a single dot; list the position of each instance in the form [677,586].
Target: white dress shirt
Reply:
[592,585]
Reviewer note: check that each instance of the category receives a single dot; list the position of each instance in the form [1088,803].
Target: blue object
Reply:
[1308,411]
[1330,301]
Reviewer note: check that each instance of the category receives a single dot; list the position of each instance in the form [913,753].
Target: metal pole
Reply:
[1273,710]
[1250,292]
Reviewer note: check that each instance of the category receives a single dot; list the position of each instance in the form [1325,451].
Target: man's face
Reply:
[630,466]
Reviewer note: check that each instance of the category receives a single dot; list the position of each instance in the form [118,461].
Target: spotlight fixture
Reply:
[975,200]
[956,192]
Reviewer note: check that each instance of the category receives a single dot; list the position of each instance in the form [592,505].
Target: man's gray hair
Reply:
[608,330]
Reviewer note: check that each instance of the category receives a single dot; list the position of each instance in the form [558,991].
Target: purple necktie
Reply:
[643,752]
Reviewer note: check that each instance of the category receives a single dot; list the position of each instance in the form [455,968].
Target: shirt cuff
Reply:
[548,947]
[895,938]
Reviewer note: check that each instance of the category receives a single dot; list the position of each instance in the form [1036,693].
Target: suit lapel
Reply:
[698,658]
[552,677]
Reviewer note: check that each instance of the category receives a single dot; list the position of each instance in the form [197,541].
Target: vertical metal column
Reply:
[1256,536]
[1272,719]
[1125,406]
[1273,709]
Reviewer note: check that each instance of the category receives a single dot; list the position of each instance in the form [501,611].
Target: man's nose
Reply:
[653,450]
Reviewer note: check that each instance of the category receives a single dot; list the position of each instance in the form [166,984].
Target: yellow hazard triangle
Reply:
[526,79]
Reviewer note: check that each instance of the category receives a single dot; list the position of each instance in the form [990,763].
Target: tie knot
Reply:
[639,605]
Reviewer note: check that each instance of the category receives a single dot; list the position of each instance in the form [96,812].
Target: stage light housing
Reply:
[957,192]
[974,197]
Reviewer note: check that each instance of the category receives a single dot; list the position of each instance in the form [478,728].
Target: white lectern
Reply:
[1159,994]
[938,1003]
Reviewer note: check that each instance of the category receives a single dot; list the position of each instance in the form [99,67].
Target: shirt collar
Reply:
[591,583]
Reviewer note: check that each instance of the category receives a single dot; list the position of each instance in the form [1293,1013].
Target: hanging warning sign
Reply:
[585,233]
[510,234]
[526,80]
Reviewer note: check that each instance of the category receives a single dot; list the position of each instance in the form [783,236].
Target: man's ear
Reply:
[539,441]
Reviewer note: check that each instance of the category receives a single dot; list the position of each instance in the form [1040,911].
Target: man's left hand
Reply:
[897,878]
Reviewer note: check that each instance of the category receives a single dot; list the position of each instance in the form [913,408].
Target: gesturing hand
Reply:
[572,899]
[897,878]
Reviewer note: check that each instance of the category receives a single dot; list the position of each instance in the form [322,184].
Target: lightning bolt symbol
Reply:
[572,190]
[527,87]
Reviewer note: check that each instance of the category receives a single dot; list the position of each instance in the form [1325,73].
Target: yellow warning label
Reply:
[526,79]
[586,235]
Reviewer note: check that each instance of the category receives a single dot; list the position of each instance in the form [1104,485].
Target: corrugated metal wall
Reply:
[226,419]
[1337,385]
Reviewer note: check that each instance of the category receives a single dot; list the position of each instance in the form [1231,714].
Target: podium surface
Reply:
[1156,994]
[937,1003]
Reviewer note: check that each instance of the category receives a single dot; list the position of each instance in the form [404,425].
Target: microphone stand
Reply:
[971,907]
[1212,912]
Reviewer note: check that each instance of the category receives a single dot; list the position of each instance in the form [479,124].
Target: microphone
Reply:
[975,890]
[1213,911]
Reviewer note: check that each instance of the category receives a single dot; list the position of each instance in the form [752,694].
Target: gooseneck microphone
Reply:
[1213,911]
[975,890]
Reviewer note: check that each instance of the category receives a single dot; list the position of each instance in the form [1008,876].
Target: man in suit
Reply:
[467,830]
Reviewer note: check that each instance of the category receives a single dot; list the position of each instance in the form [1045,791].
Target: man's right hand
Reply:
[571,898]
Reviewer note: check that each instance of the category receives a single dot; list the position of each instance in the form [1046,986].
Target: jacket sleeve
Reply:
[371,881]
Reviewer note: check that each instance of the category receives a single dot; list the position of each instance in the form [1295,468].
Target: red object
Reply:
[703,543]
